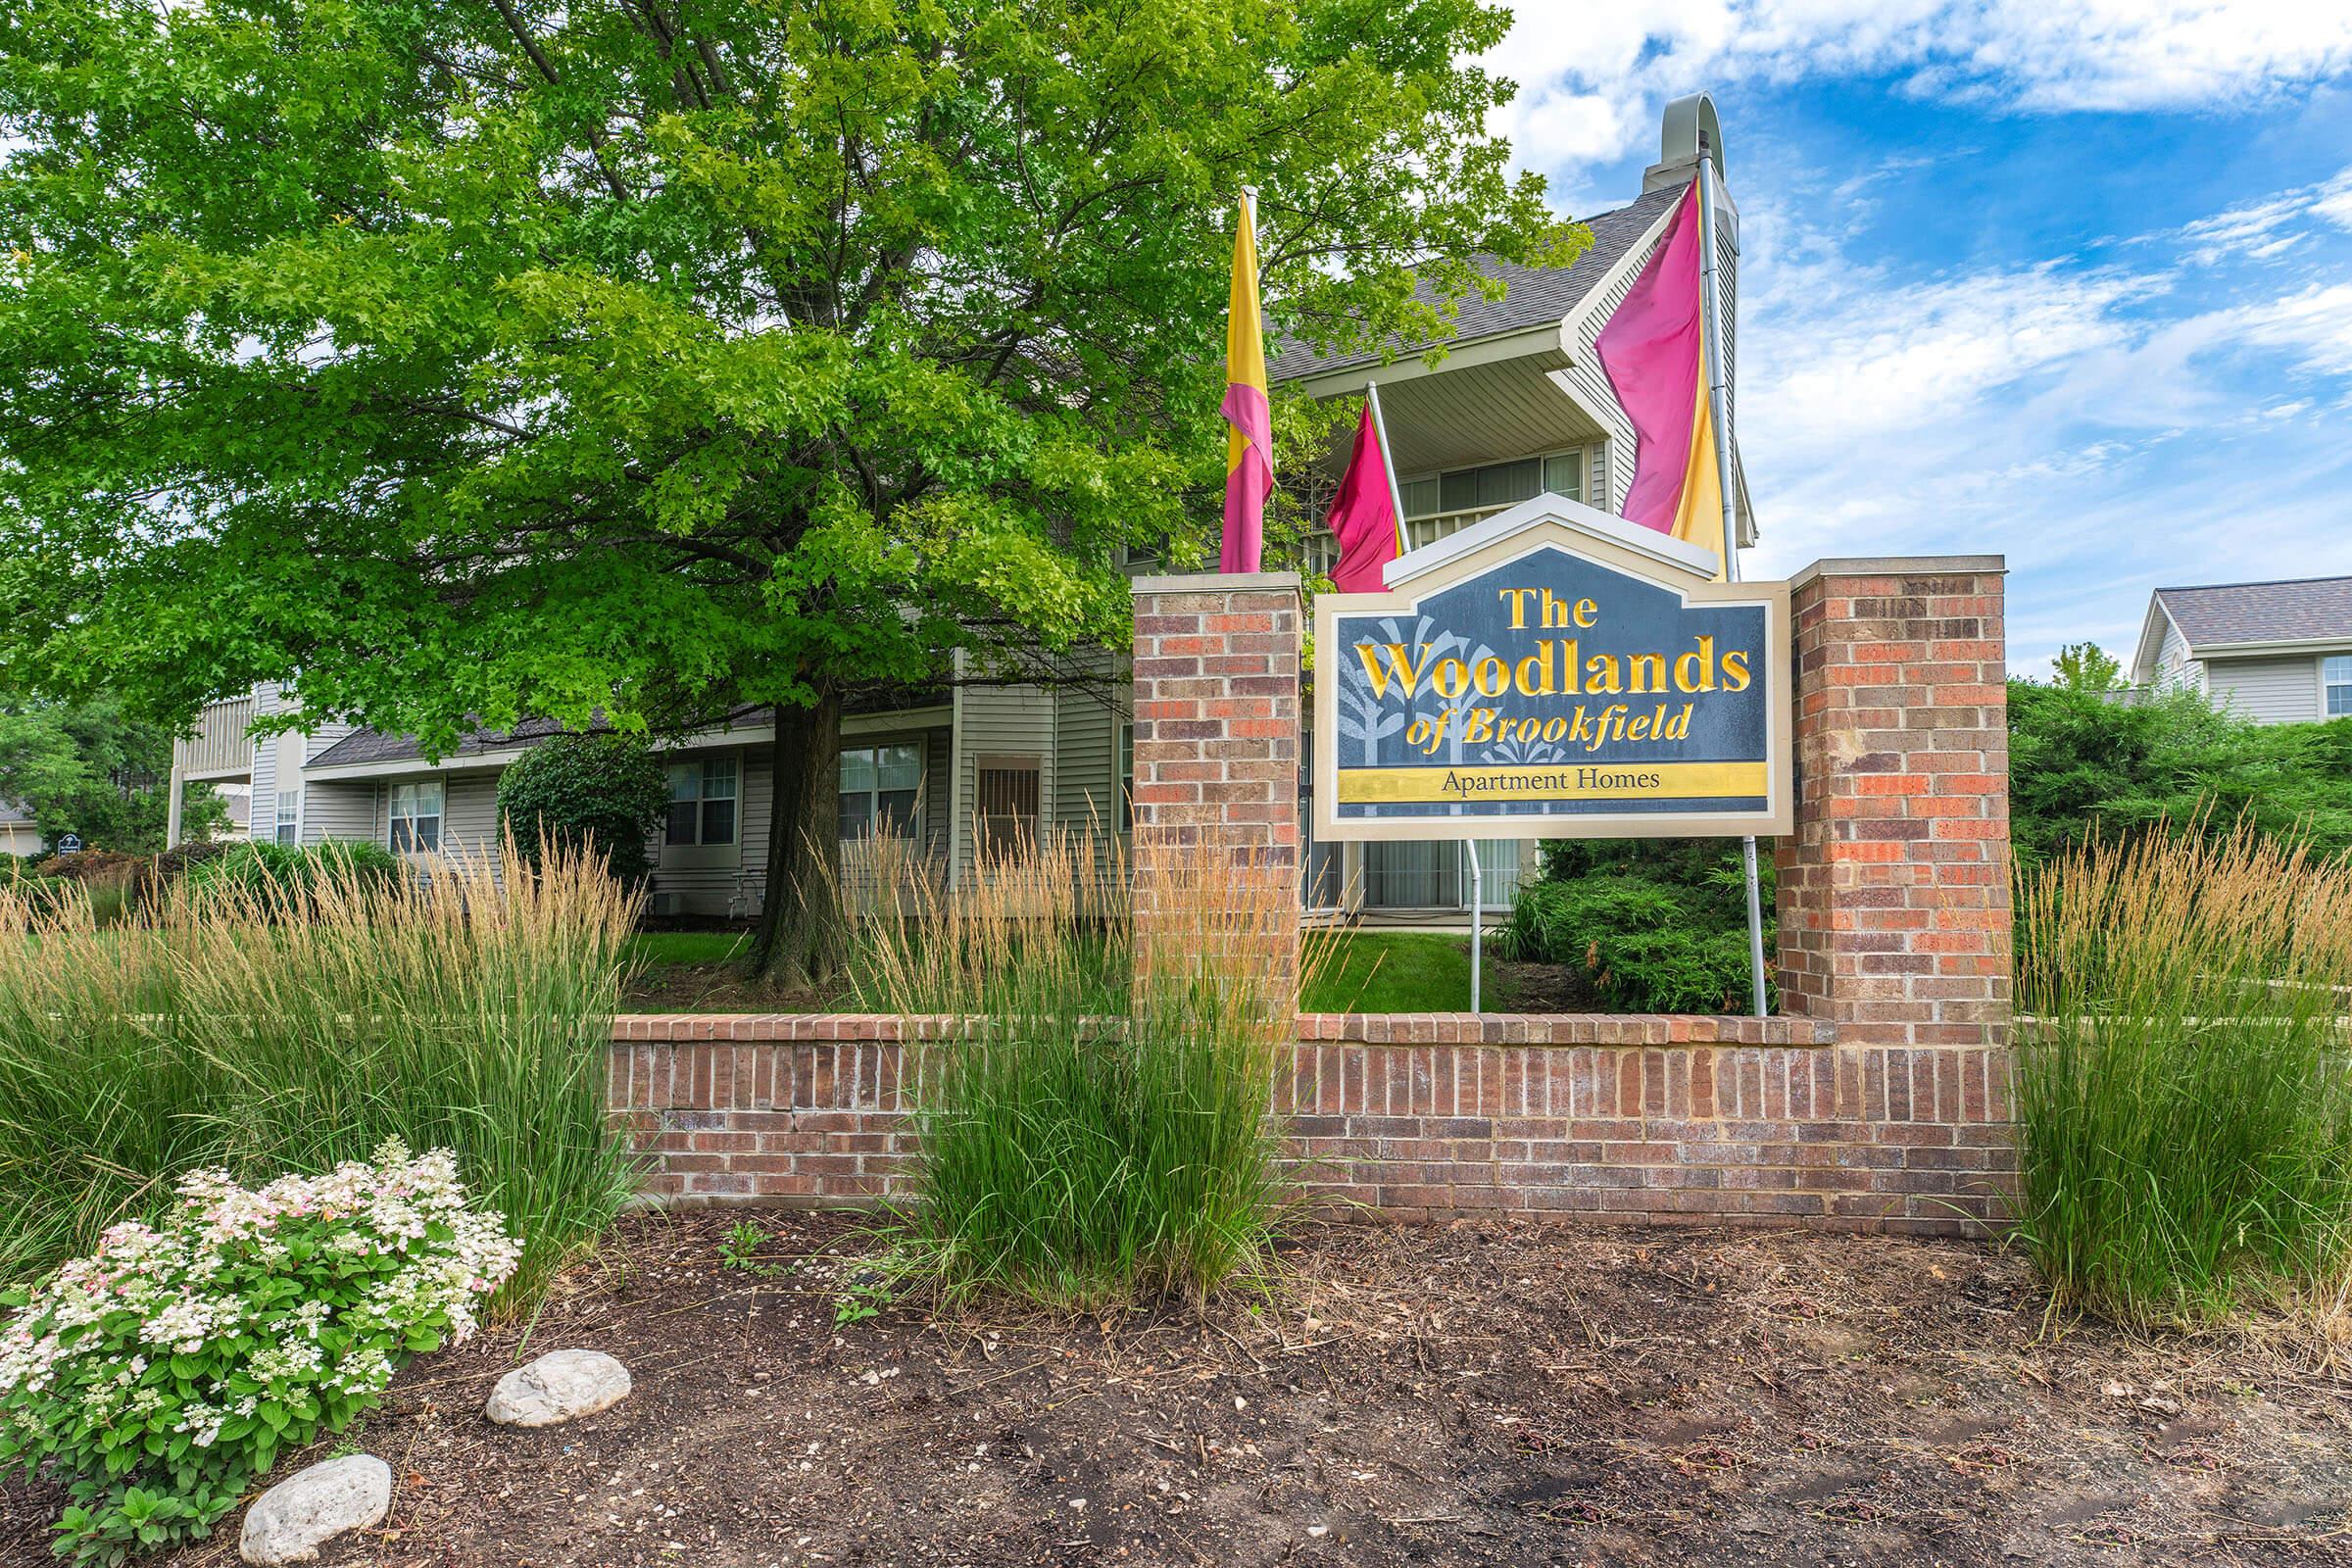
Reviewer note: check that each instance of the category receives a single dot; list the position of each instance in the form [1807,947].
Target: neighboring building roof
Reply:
[1532,295]
[2302,610]
[375,746]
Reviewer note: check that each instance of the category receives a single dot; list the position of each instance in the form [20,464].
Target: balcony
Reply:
[220,749]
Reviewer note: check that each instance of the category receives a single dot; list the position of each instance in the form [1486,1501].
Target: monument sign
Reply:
[1552,672]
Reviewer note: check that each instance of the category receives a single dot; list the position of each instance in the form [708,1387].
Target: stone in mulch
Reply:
[560,1386]
[290,1521]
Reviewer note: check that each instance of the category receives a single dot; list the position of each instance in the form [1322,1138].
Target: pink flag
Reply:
[1249,416]
[1362,517]
[1651,351]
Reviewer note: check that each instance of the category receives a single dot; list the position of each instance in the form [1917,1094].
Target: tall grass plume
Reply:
[2181,1081]
[285,1025]
[1097,1126]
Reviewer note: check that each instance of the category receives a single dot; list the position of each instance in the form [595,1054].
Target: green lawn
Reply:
[1391,971]
[686,947]
[1368,972]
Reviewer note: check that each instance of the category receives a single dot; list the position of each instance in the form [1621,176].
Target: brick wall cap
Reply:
[1217,581]
[1900,566]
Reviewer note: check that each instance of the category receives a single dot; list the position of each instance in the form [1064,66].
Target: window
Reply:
[1126,804]
[879,788]
[1490,488]
[1008,801]
[702,800]
[2335,674]
[415,815]
[288,826]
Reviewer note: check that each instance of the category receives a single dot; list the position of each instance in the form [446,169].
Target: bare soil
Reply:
[1479,1393]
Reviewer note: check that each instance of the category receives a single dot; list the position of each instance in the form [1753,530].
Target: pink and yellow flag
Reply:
[1249,438]
[1654,352]
[1364,516]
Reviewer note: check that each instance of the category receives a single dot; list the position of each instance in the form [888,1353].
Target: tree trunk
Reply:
[801,940]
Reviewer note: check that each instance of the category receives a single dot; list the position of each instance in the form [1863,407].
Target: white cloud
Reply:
[2105,428]
[1590,77]
[2269,227]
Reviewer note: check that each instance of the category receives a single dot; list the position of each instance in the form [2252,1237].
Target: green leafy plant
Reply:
[261,874]
[2180,1083]
[603,789]
[159,1375]
[862,1300]
[739,1251]
[753,354]
[1644,946]
[2085,765]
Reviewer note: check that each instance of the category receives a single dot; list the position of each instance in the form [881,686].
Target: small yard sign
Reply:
[69,843]
[1552,672]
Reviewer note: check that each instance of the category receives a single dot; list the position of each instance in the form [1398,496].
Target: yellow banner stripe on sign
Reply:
[1553,781]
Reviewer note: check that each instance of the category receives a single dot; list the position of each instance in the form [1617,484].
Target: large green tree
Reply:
[452,361]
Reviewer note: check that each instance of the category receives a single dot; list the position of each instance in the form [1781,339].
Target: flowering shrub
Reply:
[159,1376]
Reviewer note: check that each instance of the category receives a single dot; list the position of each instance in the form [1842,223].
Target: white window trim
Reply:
[439,817]
[2325,684]
[917,831]
[701,766]
[278,808]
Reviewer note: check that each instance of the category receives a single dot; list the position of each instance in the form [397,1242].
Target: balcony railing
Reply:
[220,747]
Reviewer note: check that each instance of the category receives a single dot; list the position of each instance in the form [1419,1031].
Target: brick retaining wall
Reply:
[1618,1117]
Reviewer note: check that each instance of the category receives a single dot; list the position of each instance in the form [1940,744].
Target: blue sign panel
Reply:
[1562,689]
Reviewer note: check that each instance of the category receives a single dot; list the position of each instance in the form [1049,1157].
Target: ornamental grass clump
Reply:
[2183,1074]
[159,1376]
[1097,1127]
[290,1025]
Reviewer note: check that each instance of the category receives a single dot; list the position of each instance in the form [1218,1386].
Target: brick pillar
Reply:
[1895,906]
[1216,738]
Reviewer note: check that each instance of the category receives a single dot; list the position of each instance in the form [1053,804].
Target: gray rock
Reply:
[291,1520]
[560,1386]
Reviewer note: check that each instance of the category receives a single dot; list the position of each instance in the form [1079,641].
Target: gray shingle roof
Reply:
[375,746]
[1532,294]
[2308,610]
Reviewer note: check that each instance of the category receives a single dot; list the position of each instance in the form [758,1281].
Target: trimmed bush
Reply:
[1642,946]
[159,1376]
[605,789]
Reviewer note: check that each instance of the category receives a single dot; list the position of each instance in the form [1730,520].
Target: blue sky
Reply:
[2068,280]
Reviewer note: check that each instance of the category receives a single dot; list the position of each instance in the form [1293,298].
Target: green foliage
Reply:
[1644,945]
[2081,763]
[554,361]
[1652,925]
[1393,971]
[603,788]
[159,1377]
[86,768]
[2087,667]
[301,1026]
[251,873]
[2185,1112]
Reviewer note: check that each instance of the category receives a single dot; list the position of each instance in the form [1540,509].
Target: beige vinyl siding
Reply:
[329,810]
[713,880]
[2173,667]
[468,814]
[2277,691]
[1086,738]
[1606,487]
[998,721]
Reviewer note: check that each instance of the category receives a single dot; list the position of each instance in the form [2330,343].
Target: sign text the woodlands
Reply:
[1560,681]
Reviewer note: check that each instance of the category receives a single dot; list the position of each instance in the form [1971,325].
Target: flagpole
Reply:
[1388,465]
[1477,890]
[1728,485]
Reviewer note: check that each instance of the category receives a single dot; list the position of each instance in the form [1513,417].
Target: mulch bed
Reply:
[1478,1393]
